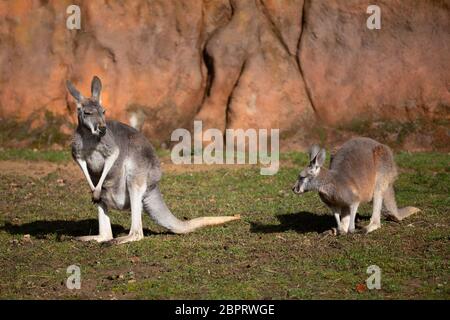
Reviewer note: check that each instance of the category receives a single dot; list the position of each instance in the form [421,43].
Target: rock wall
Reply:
[401,71]
[231,63]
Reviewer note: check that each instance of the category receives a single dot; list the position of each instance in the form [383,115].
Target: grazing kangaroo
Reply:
[122,171]
[362,170]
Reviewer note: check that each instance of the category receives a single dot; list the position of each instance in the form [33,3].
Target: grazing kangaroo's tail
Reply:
[392,212]
[406,212]
[155,206]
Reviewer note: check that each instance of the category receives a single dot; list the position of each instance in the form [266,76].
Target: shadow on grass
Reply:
[42,228]
[301,222]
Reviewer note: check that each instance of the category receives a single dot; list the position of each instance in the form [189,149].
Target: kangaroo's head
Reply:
[91,114]
[307,175]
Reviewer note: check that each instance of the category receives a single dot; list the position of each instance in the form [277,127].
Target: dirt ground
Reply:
[70,170]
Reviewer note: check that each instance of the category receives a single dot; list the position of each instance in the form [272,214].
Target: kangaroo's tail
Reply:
[392,212]
[155,206]
[406,212]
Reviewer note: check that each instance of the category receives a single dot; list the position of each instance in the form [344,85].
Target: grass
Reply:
[276,251]
[35,155]
[48,155]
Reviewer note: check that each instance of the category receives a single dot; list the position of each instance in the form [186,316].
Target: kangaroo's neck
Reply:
[82,130]
[324,182]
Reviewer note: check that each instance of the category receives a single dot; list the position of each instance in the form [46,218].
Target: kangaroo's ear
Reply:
[320,158]
[96,88]
[74,92]
[313,151]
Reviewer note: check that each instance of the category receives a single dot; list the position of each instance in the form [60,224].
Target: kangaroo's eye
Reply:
[104,111]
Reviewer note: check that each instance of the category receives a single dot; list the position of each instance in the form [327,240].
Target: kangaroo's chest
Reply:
[340,198]
[327,199]
[95,161]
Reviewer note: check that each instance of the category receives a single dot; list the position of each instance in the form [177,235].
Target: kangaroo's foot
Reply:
[335,232]
[98,238]
[371,227]
[129,238]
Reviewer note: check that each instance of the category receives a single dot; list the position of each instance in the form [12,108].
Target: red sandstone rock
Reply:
[398,72]
[256,81]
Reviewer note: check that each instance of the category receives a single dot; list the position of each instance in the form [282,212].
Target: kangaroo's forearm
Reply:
[83,166]
[109,162]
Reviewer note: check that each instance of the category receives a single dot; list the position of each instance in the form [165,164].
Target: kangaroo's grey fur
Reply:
[123,171]
[362,170]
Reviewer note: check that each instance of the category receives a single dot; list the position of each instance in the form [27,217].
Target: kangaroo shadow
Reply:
[41,228]
[301,222]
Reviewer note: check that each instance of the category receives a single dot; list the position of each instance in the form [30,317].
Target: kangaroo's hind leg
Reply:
[375,220]
[104,226]
[136,191]
[353,211]
[392,212]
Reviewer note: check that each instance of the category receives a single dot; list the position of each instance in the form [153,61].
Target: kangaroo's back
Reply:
[132,142]
[361,163]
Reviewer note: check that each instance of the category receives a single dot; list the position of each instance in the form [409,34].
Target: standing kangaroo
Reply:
[362,170]
[122,171]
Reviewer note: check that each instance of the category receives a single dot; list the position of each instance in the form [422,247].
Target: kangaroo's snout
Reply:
[296,188]
[102,130]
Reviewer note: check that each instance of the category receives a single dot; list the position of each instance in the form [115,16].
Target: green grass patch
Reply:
[35,155]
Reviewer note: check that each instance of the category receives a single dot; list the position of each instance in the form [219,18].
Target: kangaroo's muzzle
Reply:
[102,130]
[296,188]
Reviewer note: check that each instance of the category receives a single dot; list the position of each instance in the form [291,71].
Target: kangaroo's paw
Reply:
[371,227]
[128,238]
[335,232]
[329,232]
[96,194]
[97,238]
